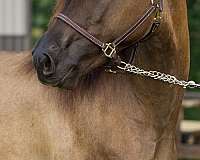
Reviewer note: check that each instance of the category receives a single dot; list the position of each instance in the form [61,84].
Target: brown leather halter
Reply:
[110,49]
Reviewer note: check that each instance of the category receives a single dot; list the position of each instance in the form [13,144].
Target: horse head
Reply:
[63,56]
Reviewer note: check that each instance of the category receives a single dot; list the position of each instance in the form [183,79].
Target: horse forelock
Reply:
[59,6]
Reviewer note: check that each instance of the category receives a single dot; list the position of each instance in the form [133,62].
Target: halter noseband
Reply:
[109,49]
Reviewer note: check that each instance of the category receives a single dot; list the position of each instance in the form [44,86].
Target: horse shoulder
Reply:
[30,124]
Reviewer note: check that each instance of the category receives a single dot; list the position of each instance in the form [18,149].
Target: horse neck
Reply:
[168,52]
[103,89]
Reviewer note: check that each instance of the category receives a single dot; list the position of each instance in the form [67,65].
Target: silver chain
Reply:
[110,50]
[157,76]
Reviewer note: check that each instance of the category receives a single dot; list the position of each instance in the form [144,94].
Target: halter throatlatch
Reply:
[110,49]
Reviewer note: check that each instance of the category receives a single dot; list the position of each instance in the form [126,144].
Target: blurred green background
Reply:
[194,24]
[42,10]
[41,13]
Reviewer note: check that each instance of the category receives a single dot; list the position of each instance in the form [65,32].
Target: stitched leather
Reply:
[81,30]
[134,28]
[157,7]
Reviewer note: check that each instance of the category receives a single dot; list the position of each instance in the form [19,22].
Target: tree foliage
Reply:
[42,10]
[194,24]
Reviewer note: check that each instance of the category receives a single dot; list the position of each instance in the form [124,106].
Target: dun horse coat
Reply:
[108,117]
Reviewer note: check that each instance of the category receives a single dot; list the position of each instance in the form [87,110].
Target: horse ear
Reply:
[60,5]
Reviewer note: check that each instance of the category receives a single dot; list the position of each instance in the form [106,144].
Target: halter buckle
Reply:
[158,4]
[158,17]
[109,50]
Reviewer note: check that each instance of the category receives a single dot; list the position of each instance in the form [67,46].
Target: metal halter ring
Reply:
[109,50]
[157,5]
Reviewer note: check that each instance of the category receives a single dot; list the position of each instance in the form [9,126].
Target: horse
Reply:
[83,112]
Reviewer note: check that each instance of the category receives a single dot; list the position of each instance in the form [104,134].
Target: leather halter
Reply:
[109,49]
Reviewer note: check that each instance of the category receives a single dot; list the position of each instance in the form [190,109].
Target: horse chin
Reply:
[68,83]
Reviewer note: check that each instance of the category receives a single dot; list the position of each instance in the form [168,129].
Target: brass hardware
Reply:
[109,50]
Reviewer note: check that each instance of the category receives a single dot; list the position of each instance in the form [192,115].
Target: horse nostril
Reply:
[48,65]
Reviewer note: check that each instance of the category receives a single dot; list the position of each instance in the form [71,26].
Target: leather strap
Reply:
[118,41]
[109,49]
[81,30]
[135,27]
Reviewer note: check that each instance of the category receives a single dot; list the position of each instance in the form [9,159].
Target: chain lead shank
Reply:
[158,76]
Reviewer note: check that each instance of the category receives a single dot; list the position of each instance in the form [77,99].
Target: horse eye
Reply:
[67,46]
[54,47]
[68,43]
